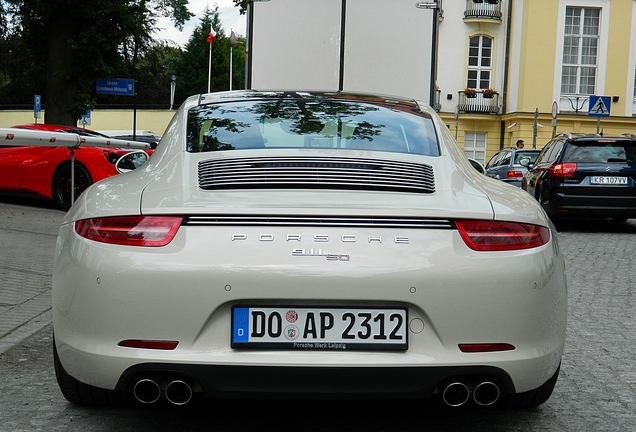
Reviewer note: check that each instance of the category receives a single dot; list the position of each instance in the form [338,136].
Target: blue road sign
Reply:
[117,87]
[37,106]
[599,106]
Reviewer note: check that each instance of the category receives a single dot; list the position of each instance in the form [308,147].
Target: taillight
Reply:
[562,170]
[130,230]
[481,235]
[514,174]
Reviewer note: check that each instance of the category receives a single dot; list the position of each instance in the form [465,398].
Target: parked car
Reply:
[511,164]
[46,171]
[146,136]
[307,244]
[586,176]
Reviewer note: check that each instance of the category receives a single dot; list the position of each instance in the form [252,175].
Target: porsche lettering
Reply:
[320,238]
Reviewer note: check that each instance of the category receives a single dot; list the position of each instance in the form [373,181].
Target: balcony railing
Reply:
[573,103]
[484,9]
[478,103]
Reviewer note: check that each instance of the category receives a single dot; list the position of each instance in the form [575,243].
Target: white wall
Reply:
[296,45]
[387,46]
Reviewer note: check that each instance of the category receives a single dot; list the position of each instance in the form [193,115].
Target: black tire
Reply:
[61,185]
[533,398]
[544,199]
[83,394]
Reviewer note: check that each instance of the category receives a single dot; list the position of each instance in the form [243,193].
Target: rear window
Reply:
[600,151]
[309,123]
[530,156]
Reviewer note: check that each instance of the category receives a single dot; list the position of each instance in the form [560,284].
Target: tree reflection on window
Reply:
[315,122]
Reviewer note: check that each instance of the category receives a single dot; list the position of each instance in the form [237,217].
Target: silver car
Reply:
[510,165]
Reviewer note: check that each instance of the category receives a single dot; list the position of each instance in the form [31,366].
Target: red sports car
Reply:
[46,171]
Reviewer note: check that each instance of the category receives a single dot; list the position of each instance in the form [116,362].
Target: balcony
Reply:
[478,103]
[483,11]
[574,103]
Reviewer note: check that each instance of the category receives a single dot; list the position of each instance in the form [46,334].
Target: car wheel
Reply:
[543,197]
[62,184]
[83,394]
[533,398]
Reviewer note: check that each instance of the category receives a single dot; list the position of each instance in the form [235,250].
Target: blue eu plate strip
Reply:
[241,325]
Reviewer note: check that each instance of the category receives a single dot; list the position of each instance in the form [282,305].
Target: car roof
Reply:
[57,128]
[242,95]
[596,137]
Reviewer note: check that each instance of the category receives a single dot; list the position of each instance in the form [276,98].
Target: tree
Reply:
[79,44]
[192,70]
[242,4]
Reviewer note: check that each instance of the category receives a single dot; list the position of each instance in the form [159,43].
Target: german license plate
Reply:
[337,329]
[608,180]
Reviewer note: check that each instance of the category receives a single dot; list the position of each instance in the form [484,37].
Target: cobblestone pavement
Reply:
[596,390]
[27,238]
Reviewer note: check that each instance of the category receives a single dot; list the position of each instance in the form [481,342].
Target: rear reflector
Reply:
[514,174]
[481,235]
[485,347]
[148,344]
[130,230]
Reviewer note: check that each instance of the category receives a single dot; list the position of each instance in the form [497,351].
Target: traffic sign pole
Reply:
[555,113]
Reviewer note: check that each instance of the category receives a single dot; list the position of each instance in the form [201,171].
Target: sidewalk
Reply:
[28,231]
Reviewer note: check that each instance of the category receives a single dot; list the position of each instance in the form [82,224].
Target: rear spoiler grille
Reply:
[316,172]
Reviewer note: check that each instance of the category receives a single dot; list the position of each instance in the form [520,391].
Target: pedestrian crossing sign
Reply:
[599,106]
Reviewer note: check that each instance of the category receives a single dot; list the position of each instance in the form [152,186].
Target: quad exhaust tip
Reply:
[456,394]
[177,391]
[459,392]
[486,393]
[147,391]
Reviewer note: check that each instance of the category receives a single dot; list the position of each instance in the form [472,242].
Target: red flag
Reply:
[211,37]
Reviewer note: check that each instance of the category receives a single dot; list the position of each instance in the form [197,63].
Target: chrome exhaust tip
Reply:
[147,391]
[486,393]
[178,392]
[456,394]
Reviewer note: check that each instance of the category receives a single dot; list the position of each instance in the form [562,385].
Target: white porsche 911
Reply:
[294,244]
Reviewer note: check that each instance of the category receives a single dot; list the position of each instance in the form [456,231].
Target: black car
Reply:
[511,164]
[586,176]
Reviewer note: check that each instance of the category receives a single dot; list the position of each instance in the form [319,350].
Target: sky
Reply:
[228,13]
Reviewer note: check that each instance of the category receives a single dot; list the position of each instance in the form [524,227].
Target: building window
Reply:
[580,51]
[475,146]
[479,62]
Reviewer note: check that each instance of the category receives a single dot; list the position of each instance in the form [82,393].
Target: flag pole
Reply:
[209,66]
[231,67]
[233,41]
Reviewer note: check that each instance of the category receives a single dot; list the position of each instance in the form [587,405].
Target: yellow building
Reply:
[543,58]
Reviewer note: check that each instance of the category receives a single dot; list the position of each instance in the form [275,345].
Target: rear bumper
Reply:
[315,383]
[592,206]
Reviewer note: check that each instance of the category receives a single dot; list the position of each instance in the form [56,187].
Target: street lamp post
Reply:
[173,85]
[438,12]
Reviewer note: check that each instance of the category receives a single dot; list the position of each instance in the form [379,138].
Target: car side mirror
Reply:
[131,161]
[478,166]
